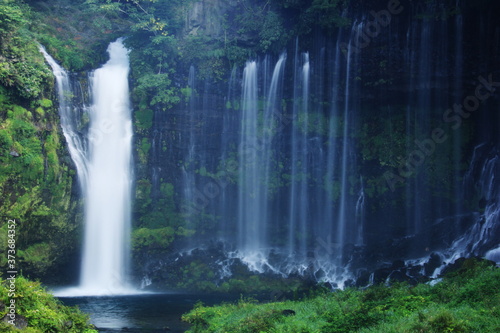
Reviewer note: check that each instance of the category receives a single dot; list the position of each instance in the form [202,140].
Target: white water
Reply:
[481,239]
[298,214]
[105,174]
[314,238]
[68,119]
[255,150]
[188,179]
[250,215]
[108,197]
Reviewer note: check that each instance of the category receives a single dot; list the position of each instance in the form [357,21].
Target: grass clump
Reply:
[39,309]
[466,300]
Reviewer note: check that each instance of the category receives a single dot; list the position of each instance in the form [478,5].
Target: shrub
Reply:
[43,312]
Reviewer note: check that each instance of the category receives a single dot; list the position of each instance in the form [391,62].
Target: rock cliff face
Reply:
[351,157]
[207,16]
[37,187]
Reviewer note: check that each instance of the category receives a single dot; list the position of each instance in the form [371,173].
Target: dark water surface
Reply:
[146,313]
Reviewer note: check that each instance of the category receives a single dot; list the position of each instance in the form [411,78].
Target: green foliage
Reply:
[66,51]
[76,33]
[43,312]
[384,140]
[441,320]
[142,195]
[196,276]
[157,86]
[326,13]
[313,123]
[144,150]
[141,13]
[22,67]
[273,33]
[153,49]
[387,141]
[152,74]
[160,213]
[208,55]
[37,257]
[20,139]
[11,16]
[201,276]
[248,29]
[258,22]
[304,16]
[152,239]
[34,184]
[144,119]
[466,301]
[258,322]
[45,103]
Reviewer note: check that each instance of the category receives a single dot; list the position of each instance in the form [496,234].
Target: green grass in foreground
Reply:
[41,310]
[467,300]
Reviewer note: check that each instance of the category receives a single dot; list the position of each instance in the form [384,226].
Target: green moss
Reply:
[34,182]
[22,66]
[196,276]
[66,51]
[40,112]
[144,150]
[186,92]
[160,213]
[152,239]
[142,194]
[37,257]
[159,87]
[167,189]
[144,118]
[51,145]
[313,123]
[45,103]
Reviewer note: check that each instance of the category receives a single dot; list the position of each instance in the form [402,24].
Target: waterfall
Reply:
[482,180]
[319,212]
[330,177]
[340,238]
[188,180]
[298,214]
[68,116]
[347,232]
[229,166]
[258,129]
[360,215]
[272,126]
[105,173]
[303,148]
[108,197]
[251,234]
[457,91]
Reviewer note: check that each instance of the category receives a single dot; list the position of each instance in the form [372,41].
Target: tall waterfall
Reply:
[108,197]
[188,168]
[298,191]
[105,173]
[259,126]
[252,194]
